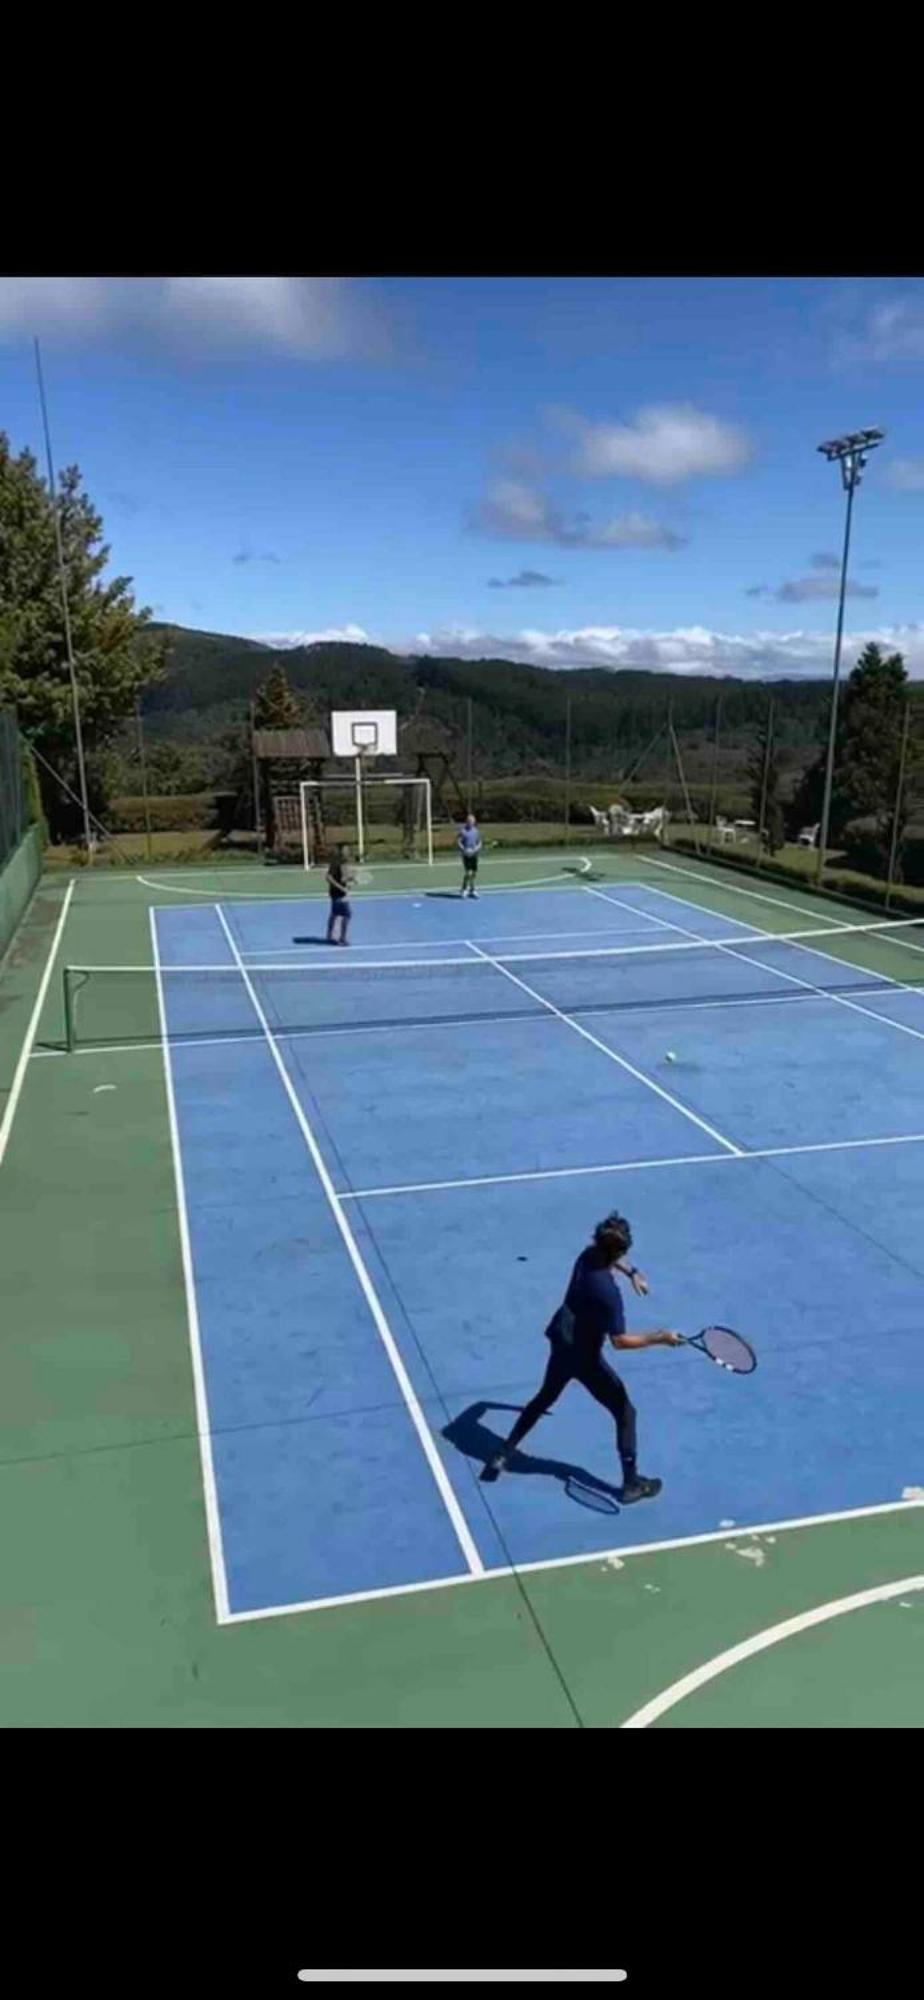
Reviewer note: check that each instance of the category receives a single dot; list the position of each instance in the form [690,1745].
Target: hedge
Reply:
[177,812]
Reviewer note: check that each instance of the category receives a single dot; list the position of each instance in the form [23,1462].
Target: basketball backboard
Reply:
[370,732]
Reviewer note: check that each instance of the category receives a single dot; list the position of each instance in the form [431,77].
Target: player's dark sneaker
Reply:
[640,1489]
[494,1467]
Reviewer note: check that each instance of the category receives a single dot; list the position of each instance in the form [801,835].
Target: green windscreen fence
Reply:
[13,815]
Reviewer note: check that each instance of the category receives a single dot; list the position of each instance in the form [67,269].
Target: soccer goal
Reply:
[377,817]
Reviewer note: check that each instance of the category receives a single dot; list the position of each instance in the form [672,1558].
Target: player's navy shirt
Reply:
[593,1305]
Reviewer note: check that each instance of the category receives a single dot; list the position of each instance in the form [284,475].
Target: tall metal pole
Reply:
[714,791]
[567,769]
[835,683]
[850,453]
[255,779]
[144,778]
[68,642]
[768,752]
[896,816]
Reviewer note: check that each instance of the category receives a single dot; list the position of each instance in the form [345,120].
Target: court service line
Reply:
[203,1420]
[19,1073]
[557,881]
[600,1556]
[441,1477]
[773,1635]
[622,1061]
[638,1166]
[756,895]
[255,953]
[732,947]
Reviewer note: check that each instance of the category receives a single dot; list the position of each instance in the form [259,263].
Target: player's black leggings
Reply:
[600,1382]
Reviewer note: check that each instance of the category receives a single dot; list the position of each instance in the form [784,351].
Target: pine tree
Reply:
[114,655]
[277,706]
[866,751]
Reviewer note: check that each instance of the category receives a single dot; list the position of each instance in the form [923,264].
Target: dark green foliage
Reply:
[115,651]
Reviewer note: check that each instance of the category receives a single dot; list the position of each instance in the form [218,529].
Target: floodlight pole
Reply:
[850,453]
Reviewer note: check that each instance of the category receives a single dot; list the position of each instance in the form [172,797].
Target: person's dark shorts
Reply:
[470,864]
[339,907]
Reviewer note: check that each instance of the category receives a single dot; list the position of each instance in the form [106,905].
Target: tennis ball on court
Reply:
[670,1056]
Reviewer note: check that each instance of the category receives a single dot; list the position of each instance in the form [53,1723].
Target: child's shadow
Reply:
[475,1440]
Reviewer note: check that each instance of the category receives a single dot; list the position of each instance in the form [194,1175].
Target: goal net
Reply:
[378,818]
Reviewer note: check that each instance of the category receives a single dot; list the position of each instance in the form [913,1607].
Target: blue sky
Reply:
[568,471]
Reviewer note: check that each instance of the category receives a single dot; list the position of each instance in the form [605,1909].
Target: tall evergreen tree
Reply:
[866,751]
[114,655]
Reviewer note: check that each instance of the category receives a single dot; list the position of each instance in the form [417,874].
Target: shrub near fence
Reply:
[174,812]
[13,808]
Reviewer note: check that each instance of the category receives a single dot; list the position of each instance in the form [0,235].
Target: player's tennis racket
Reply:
[725,1348]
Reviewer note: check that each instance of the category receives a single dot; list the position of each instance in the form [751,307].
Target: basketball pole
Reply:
[360,831]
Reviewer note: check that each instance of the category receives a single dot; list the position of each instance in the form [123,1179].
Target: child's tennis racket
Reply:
[725,1348]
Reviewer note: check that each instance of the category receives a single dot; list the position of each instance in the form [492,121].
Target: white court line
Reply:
[732,947]
[203,1424]
[773,1635]
[257,952]
[370,1295]
[756,895]
[570,1022]
[601,1556]
[6,1123]
[638,1166]
[382,895]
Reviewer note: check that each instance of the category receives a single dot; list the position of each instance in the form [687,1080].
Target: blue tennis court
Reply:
[388,1158]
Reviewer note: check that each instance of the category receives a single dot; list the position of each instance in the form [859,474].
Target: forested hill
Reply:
[518,711]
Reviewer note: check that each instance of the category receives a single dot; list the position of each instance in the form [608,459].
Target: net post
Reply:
[69,1034]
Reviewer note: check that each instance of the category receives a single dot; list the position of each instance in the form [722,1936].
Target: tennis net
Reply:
[112,1004]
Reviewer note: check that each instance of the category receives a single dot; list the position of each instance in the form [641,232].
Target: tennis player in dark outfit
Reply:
[337,887]
[591,1313]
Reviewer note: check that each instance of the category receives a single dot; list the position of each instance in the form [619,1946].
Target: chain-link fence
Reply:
[13,809]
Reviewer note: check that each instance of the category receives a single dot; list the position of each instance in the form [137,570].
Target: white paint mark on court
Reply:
[614,1558]
[751,1551]
[98,1088]
[203,1421]
[913,1492]
[440,1476]
[761,1641]
[19,1073]
[728,1524]
[622,1062]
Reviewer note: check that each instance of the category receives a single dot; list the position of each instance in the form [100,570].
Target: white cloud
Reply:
[352,635]
[907,474]
[685,650]
[896,331]
[512,510]
[812,589]
[664,444]
[314,319]
[688,649]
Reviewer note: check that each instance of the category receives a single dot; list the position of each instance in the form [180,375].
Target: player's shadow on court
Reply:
[443,895]
[476,1440]
[300,940]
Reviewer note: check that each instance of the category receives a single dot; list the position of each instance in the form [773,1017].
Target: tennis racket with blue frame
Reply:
[725,1348]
